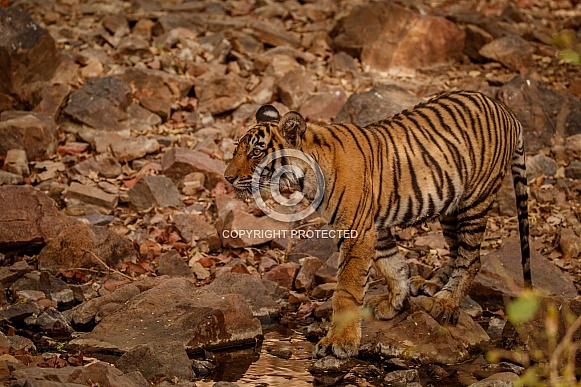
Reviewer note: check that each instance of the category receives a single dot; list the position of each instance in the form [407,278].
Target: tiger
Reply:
[443,159]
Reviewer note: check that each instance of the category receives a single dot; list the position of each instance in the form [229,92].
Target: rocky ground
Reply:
[118,118]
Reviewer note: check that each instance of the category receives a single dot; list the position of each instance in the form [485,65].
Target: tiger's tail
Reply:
[518,169]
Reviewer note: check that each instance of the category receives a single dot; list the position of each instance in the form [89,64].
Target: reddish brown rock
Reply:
[196,229]
[476,37]
[219,93]
[512,51]
[162,85]
[284,274]
[34,70]
[84,246]
[501,276]
[196,318]
[104,164]
[395,37]
[179,162]
[28,219]
[33,132]
[323,106]
[305,279]
[294,88]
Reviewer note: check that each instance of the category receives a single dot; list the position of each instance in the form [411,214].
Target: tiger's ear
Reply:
[292,126]
[267,113]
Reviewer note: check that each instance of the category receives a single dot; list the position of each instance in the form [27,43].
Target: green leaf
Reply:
[522,309]
[565,39]
[569,56]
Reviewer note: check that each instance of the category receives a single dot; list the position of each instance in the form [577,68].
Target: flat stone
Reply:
[175,310]
[377,104]
[258,292]
[272,35]
[33,132]
[415,335]
[18,312]
[324,291]
[179,162]
[134,148]
[476,37]
[84,246]
[152,191]
[28,219]
[9,274]
[103,202]
[501,276]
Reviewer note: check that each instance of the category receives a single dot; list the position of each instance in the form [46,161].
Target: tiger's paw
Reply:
[342,346]
[441,309]
[420,285]
[386,306]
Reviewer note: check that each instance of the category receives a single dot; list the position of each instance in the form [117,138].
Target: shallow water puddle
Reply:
[282,359]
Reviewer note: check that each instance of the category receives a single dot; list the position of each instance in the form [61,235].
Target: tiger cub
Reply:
[443,159]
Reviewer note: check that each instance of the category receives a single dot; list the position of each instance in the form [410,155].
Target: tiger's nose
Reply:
[230,178]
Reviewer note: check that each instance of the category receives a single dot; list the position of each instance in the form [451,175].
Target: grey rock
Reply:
[153,191]
[219,93]
[18,312]
[8,178]
[87,311]
[52,323]
[239,229]
[573,170]
[501,276]
[540,165]
[305,279]
[104,164]
[101,103]
[401,378]
[91,199]
[379,103]
[17,162]
[9,274]
[548,117]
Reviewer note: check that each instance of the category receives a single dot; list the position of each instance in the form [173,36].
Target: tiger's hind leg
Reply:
[393,267]
[420,285]
[444,306]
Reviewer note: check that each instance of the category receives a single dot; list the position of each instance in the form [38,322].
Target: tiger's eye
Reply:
[256,152]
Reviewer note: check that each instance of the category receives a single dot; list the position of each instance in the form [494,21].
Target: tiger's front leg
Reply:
[344,335]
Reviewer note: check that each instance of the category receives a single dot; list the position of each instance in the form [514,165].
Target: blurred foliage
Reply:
[569,46]
[555,366]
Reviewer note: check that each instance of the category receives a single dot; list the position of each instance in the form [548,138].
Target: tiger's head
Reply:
[270,133]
